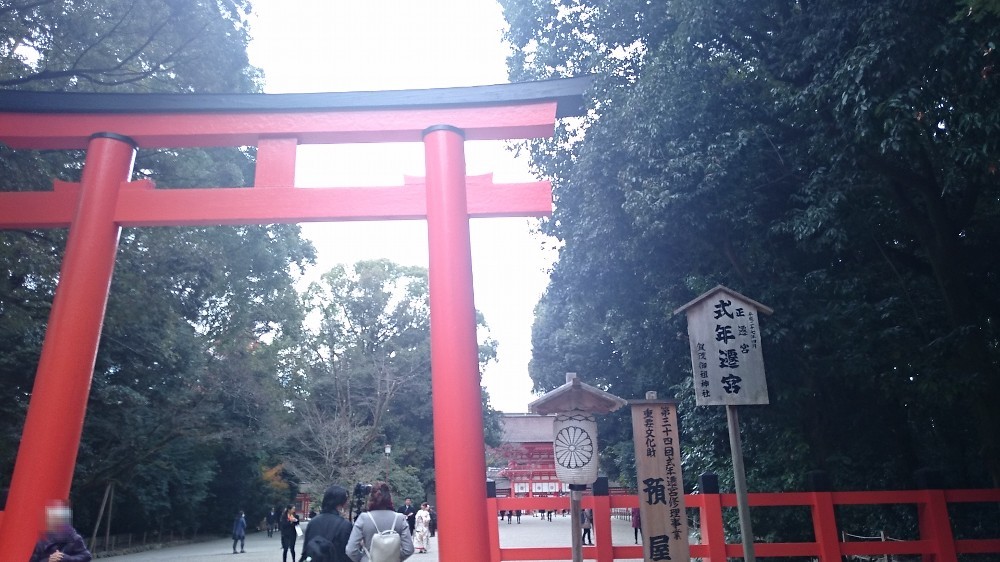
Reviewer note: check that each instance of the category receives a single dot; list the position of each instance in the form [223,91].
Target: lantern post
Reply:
[574,439]
[388,451]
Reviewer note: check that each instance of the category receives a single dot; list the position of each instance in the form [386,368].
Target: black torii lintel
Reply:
[568,93]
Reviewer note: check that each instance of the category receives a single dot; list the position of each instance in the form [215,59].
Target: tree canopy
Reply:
[835,161]
[197,318]
[366,380]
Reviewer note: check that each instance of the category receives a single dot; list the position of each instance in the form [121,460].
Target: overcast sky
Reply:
[347,45]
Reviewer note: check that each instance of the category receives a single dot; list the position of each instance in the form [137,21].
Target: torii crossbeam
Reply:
[111,127]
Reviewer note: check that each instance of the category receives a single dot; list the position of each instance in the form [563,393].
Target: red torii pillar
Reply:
[454,348]
[51,436]
[104,201]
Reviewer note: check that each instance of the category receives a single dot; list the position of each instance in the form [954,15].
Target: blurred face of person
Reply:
[59,520]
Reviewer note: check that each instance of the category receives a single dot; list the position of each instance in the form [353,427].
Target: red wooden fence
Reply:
[936,542]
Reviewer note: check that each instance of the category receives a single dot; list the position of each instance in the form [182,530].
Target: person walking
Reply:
[422,534]
[330,526]
[379,517]
[239,531]
[272,522]
[288,526]
[587,523]
[636,524]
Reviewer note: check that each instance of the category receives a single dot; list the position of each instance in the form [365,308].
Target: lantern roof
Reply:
[575,395]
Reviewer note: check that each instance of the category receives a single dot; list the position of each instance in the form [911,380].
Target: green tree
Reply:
[139,45]
[200,320]
[367,371]
[813,157]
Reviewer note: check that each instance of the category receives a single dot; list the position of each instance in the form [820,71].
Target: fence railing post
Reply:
[824,516]
[492,510]
[602,515]
[713,533]
[932,514]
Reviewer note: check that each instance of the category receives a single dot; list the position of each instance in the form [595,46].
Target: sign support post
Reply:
[740,479]
[728,367]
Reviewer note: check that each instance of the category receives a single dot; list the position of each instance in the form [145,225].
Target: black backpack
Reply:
[318,549]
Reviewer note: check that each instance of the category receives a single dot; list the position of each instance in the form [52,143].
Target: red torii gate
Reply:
[111,127]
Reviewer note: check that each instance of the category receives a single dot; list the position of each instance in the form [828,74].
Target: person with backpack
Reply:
[587,523]
[380,534]
[326,535]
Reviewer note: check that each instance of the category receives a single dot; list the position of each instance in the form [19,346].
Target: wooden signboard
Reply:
[661,487]
[726,354]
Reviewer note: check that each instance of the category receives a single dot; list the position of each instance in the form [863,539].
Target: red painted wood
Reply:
[444,202]
[276,162]
[493,508]
[763,549]
[51,437]
[447,201]
[71,131]
[825,526]
[935,526]
[876,497]
[978,546]
[868,548]
[821,505]
[39,209]
[602,530]
[141,205]
[713,531]
[539,553]
[627,551]
[459,461]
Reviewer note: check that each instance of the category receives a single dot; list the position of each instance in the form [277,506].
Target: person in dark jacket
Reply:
[239,531]
[61,542]
[331,526]
[636,524]
[410,513]
[272,522]
[287,525]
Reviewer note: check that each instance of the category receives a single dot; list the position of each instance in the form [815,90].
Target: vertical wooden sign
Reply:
[661,486]
[726,356]
[728,367]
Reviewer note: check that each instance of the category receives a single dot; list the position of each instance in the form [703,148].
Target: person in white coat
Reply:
[422,529]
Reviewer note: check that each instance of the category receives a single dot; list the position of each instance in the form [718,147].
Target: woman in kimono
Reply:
[422,529]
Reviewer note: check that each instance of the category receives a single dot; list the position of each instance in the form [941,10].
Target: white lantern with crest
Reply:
[575,447]
[574,441]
